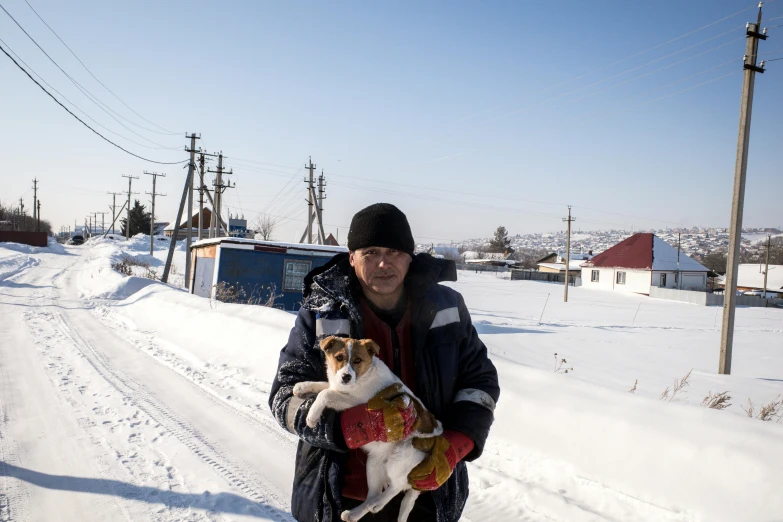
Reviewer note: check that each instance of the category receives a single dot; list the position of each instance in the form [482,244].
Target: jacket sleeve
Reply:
[300,361]
[477,388]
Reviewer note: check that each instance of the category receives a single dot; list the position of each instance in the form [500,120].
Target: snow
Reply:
[665,258]
[752,276]
[128,399]
[573,265]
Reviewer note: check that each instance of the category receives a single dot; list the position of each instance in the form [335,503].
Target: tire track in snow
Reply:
[244,480]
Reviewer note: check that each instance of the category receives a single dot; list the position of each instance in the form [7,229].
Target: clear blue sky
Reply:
[514,108]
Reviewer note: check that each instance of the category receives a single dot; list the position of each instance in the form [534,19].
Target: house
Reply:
[750,278]
[253,270]
[640,262]
[554,263]
[330,240]
[168,231]
[159,227]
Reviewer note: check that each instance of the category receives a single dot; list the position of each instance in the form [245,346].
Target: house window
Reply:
[620,278]
[295,272]
[663,281]
[594,276]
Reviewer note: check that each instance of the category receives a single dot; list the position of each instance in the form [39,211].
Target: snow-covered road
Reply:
[95,429]
[126,399]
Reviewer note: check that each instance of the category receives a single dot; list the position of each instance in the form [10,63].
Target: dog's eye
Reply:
[339,358]
[358,360]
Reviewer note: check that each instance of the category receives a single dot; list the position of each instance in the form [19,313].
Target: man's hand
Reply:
[388,417]
[444,453]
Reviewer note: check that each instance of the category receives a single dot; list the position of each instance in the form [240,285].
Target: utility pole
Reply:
[127,222]
[217,204]
[679,276]
[38,224]
[188,186]
[201,188]
[103,221]
[569,220]
[21,215]
[738,196]
[766,265]
[152,218]
[35,198]
[310,201]
[113,208]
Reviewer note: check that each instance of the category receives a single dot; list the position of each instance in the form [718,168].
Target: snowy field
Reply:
[126,399]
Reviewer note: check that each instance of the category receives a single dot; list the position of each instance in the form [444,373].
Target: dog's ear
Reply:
[330,343]
[372,347]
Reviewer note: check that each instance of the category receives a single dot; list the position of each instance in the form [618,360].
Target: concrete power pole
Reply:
[103,221]
[188,186]
[738,195]
[38,229]
[127,222]
[766,265]
[114,208]
[569,220]
[152,217]
[308,233]
[220,188]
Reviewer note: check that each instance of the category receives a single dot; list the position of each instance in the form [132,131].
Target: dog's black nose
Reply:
[346,377]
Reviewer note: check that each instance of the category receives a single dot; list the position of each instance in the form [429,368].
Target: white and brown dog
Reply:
[356,375]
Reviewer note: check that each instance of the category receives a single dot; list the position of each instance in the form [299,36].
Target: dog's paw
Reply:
[313,418]
[346,516]
[300,390]
[438,429]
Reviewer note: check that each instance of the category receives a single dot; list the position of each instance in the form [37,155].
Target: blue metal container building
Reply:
[251,270]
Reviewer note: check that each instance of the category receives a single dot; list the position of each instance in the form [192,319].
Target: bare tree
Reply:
[265,226]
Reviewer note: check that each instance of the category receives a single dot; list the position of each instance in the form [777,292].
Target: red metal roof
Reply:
[634,252]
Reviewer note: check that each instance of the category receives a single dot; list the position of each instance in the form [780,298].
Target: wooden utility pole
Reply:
[152,217]
[114,208]
[191,166]
[201,188]
[127,222]
[766,265]
[738,194]
[569,220]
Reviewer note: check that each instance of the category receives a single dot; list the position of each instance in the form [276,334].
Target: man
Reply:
[381,291]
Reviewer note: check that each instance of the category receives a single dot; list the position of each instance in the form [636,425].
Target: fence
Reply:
[550,277]
[481,268]
[707,299]
[38,239]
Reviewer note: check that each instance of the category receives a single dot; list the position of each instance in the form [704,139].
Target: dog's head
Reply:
[347,360]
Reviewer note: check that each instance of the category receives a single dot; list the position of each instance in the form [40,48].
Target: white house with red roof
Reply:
[640,262]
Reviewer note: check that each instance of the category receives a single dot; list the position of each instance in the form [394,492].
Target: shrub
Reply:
[717,401]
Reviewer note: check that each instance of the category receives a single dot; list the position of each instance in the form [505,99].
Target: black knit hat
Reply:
[381,225]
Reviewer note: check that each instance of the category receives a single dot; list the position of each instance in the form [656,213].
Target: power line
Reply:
[94,99]
[96,122]
[97,80]
[640,53]
[82,121]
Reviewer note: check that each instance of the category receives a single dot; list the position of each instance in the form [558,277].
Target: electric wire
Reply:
[100,82]
[82,121]
[96,122]
[634,55]
[84,91]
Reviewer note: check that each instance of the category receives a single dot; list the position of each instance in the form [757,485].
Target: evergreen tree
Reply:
[500,243]
[139,220]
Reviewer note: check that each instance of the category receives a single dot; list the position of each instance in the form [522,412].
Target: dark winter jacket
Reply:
[456,380]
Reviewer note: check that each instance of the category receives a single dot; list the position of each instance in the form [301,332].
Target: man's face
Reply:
[380,270]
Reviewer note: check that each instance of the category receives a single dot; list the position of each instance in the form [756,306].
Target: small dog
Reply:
[355,376]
